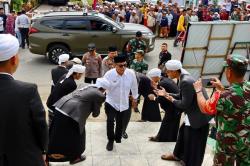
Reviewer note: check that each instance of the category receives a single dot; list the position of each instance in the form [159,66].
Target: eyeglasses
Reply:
[122,65]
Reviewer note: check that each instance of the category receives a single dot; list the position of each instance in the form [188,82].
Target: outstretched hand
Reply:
[160,92]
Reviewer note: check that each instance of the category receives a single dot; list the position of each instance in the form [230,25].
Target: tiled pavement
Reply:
[134,151]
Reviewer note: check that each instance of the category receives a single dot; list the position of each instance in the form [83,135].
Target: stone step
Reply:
[134,151]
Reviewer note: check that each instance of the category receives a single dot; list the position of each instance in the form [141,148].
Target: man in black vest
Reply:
[191,142]
[23,128]
[60,70]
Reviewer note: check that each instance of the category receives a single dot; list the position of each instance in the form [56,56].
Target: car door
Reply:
[101,34]
[76,30]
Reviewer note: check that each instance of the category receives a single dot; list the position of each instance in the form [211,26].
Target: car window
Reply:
[99,26]
[57,24]
[77,24]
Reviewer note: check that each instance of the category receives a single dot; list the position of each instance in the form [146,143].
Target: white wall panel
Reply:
[241,33]
[194,57]
[218,47]
[222,30]
[198,38]
[213,65]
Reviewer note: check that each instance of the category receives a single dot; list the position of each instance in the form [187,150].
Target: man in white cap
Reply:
[65,85]
[74,61]
[67,132]
[134,18]
[192,137]
[150,108]
[170,123]
[23,128]
[60,70]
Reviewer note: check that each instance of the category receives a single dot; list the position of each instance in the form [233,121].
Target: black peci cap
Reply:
[112,48]
[120,58]
[138,34]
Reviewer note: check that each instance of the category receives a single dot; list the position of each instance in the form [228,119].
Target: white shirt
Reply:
[118,93]
[228,6]
[1,24]
[187,123]
[23,21]
[16,25]
[170,18]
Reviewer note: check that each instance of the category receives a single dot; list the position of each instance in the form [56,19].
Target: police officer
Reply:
[231,108]
[135,44]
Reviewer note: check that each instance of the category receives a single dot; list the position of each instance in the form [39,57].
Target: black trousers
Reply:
[89,80]
[191,144]
[126,117]
[3,161]
[169,126]
[25,36]
[114,116]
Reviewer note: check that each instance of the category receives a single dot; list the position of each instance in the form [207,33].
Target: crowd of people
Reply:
[119,82]
[162,18]
[16,24]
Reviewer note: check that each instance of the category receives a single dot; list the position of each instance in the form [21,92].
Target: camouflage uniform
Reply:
[233,124]
[135,45]
[139,66]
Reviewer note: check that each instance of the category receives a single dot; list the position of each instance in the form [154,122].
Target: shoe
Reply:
[141,120]
[154,139]
[80,159]
[182,163]
[125,135]
[110,145]
[118,141]
[170,157]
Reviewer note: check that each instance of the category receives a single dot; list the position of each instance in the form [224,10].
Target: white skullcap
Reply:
[133,11]
[9,46]
[174,65]
[102,83]
[155,72]
[75,69]
[63,58]
[77,61]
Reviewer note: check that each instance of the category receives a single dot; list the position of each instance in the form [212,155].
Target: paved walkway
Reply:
[134,151]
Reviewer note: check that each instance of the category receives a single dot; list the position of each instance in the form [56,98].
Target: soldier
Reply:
[135,44]
[231,108]
[138,64]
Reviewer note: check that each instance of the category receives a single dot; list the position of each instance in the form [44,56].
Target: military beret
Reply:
[237,61]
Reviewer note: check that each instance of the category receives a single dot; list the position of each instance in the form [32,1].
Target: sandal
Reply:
[153,139]
[80,159]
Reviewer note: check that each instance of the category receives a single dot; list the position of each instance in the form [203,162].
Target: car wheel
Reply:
[55,51]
